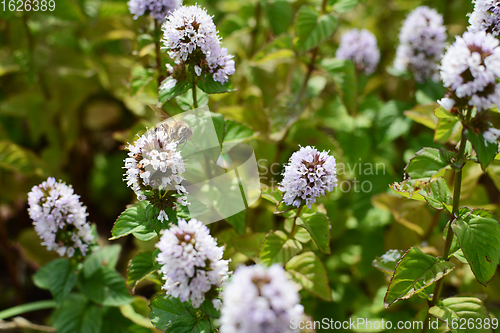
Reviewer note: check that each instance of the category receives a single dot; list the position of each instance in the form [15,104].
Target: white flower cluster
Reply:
[59,218]
[360,46]
[154,163]
[422,42]
[191,262]
[491,135]
[259,299]
[485,17]
[159,9]
[307,176]
[471,68]
[191,37]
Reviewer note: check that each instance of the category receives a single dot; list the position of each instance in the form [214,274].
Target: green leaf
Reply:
[106,287]
[479,239]
[462,314]
[414,272]
[186,103]
[271,194]
[388,261]
[238,221]
[132,220]
[210,86]
[115,322]
[437,194]
[344,75]
[446,128]
[423,114]
[308,270]
[78,315]
[280,15]
[313,28]
[171,315]
[17,159]
[235,132]
[105,257]
[141,77]
[178,89]
[277,248]
[345,6]
[208,308]
[164,308]
[486,152]
[426,163]
[318,225]
[187,323]
[139,268]
[249,244]
[58,276]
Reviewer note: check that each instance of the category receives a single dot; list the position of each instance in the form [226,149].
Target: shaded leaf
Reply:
[308,270]
[479,239]
[139,268]
[105,257]
[106,287]
[313,28]
[414,272]
[426,163]
[78,315]
[486,152]
[318,225]
[277,248]
[58,276]
[462,314]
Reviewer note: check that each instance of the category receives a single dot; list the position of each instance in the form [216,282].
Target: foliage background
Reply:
[74,88]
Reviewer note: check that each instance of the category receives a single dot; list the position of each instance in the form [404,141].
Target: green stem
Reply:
[193,90]
[159,67]
[294,226]
[454,213]
[20,309]
[255,31]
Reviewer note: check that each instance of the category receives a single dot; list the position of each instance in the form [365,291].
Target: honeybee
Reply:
[176,129]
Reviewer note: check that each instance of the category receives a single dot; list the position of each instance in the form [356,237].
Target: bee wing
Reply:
[159,112]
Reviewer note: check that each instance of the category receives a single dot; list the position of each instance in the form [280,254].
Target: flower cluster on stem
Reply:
[59,218]
[191,262]
[192,41]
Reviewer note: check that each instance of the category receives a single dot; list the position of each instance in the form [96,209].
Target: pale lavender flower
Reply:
[491,135]
[485,17]
[308,175]
[159,9]
[259,299]
[191,262]
[154,164]
[59,218]
[447,103]
[221,64]
[422,42]
[190,36]
[360,46]
[471,68]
